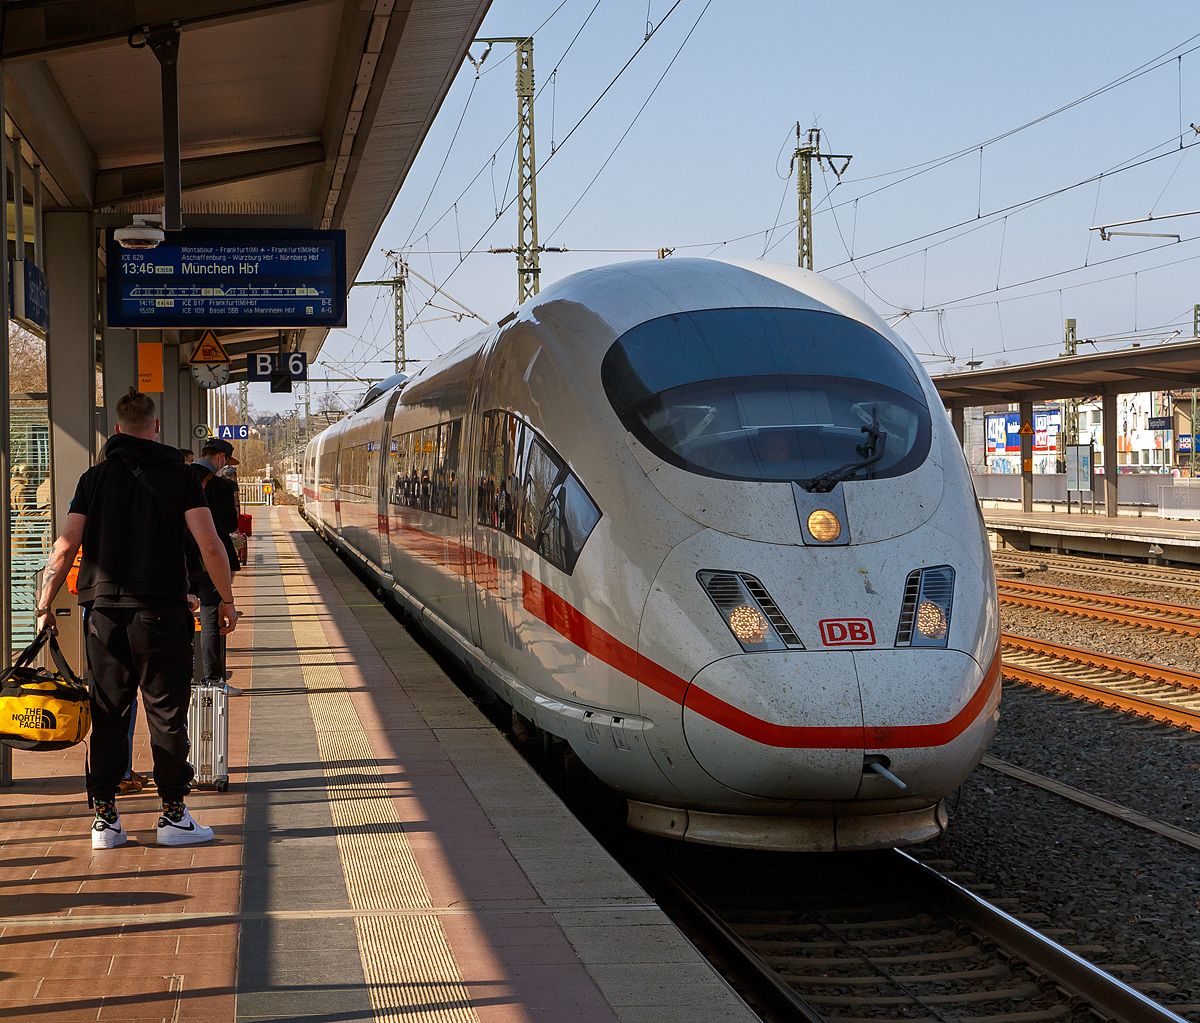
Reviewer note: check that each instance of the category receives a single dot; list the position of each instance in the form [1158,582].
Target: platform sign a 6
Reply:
[261,365]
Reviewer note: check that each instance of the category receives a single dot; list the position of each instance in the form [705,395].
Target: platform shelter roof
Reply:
[1173,366]
[297,113]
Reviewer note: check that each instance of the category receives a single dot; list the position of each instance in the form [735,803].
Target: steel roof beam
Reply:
[38,28]
[46,122]
[145,181]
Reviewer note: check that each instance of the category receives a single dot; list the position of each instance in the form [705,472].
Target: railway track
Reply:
[1148,690]
[1096,568]
[1151,691]
[1146,614]
[882,936]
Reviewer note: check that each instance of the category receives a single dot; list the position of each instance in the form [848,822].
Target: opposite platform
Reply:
[1124,536]
[382,853]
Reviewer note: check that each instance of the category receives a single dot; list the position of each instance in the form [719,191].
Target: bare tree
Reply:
[26,362]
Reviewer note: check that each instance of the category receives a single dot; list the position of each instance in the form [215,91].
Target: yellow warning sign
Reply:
[1026,429]
[208,351]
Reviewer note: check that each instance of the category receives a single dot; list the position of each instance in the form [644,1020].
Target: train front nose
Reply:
[783,725]
[809,678]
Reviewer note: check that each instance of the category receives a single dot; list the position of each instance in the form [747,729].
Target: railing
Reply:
[1179,502]
[252,491]
[1132,488]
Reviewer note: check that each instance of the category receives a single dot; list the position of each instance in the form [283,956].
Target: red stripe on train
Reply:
[568,621]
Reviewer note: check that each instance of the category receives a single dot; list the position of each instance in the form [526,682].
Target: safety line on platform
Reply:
[110,919]
[406,958]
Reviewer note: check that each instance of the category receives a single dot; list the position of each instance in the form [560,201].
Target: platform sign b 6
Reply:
[261,365]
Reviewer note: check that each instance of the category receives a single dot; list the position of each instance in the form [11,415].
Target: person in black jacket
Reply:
[222,501]
[131,513]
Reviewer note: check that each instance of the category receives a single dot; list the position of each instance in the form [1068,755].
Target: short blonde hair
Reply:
[135,410]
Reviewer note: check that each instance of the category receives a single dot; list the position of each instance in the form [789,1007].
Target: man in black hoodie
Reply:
[130,513]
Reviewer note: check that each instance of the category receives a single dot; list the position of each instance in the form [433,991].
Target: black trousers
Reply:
[212,650]
[150,649]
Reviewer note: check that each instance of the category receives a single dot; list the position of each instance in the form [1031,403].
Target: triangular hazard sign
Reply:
[1026,429]
[208,351]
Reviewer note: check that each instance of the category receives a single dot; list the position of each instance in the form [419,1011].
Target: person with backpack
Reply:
[130,513]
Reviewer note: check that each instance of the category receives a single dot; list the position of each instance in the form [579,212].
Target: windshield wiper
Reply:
[871,451]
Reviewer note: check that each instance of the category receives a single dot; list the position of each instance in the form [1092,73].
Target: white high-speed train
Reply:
[709,523]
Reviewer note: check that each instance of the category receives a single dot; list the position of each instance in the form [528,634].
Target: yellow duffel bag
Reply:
[40,710]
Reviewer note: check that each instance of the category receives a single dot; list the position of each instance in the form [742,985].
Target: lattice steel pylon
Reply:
[528,269]
[401,358]
[805,154]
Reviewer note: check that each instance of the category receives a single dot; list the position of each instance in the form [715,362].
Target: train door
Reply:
[475,572]
[337,488]
[503,439]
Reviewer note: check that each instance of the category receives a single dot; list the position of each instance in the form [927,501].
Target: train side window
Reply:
[508,478]
[542,469]
[526,490]
[566,523]
[485,491]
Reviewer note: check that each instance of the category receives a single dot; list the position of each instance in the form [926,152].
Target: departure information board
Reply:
[199,278]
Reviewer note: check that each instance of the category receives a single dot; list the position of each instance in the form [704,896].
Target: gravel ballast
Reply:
[1132,891]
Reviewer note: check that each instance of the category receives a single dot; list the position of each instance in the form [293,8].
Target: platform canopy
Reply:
[292,114]
[1163,367]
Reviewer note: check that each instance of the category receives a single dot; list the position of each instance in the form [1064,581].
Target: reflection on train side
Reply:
[424,469]
[526,490]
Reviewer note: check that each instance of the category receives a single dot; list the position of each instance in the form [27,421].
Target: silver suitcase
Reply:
[208,730]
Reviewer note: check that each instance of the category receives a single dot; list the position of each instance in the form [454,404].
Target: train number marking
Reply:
[847,632]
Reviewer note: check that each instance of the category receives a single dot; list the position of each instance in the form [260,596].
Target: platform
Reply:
[382,853]
[1127,536]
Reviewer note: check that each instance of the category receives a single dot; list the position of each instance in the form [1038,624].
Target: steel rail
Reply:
[1072,973]
[1107,662]
[765,983]
[1049,963]
[1101,606]
[1183,578]
[1125,814]
[1143,706]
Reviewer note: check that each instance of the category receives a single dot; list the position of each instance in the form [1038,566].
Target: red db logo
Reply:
[847,632]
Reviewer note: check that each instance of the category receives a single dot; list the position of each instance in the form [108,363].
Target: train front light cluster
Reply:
[752,616]
[925,611]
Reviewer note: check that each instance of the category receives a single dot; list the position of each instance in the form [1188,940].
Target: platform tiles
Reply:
[382,853]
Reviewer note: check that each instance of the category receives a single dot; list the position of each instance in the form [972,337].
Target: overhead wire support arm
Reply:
[1106,230]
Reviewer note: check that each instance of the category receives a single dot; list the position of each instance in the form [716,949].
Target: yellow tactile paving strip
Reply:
[406,959]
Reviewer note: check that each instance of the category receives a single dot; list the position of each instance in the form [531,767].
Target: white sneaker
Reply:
[106,835]
[186,831]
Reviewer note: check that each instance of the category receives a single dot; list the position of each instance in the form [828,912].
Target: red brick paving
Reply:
[85,968]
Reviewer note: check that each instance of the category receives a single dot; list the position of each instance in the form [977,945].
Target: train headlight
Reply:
[749,625]
[824,526]
[925,611]
[751,615]
[931,620]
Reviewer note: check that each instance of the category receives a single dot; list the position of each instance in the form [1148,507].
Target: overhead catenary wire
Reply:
[573,130]
[645,103]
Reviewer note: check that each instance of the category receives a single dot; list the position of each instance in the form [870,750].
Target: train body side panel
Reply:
[426,497]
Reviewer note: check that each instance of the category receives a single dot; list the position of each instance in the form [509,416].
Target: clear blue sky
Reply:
[895,85]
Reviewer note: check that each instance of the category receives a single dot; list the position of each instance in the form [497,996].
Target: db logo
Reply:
[847,632]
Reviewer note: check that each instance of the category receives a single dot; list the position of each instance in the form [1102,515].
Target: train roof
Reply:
[626,294]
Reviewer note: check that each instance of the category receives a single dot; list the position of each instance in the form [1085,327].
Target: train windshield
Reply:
[769,394]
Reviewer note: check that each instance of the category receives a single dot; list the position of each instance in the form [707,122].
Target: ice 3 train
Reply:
[709,523]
